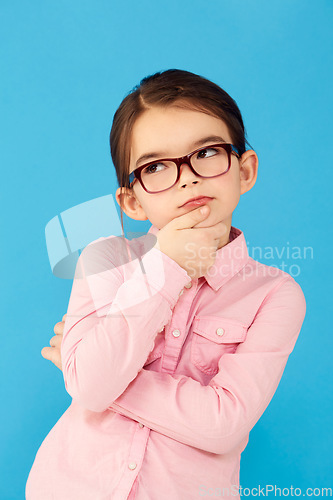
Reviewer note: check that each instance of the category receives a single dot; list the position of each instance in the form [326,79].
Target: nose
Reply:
[187,176]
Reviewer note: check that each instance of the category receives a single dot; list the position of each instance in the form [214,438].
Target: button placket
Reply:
[175,336]
[135,457]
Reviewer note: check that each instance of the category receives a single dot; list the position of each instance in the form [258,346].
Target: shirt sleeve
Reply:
[111,321]
[218,416]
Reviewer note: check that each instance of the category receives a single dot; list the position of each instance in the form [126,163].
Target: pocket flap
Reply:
[220,330]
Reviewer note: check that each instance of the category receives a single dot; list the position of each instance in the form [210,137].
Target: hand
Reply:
[188,242]
[53,353]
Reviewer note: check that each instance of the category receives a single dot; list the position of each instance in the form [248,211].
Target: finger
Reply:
[217,233]
[46,352]
[218,230]
[56,341]
[59,328]
[213,231]
[206,224]
[190,219]
[53,355]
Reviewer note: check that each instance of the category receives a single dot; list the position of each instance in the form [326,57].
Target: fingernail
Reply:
[204,210]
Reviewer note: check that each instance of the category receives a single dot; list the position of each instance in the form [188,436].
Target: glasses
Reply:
[163,174]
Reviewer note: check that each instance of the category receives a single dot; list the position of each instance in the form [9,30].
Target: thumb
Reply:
[190,219]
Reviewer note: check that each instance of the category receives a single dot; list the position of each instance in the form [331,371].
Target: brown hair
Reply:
[163,89]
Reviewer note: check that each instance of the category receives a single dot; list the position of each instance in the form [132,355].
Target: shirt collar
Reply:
[230,259]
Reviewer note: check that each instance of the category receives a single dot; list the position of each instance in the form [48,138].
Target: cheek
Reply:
[233,187]
[229,193]
[232,195]
[159,212]
[229,185]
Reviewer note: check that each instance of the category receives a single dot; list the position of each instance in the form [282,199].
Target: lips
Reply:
[198,200]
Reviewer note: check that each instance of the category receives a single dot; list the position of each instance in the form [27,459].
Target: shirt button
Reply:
[140,425]
[161,330]
[132,465]
[220,332]
[181,292]
[188,285]
[176,333]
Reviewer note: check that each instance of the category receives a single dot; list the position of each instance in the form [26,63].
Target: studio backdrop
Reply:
[65,67]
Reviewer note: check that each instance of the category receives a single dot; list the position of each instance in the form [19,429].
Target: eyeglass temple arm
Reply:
[235,150]
[131,178]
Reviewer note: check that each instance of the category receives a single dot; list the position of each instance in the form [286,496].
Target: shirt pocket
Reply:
[212,338]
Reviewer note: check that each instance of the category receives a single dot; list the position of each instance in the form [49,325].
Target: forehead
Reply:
[173,130]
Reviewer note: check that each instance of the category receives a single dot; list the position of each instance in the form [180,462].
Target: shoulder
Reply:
[262,273]
[269,281]
[281,289]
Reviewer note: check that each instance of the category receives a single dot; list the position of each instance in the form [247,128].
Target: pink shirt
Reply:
[167,375]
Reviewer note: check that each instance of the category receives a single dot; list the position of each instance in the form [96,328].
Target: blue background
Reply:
[65,67]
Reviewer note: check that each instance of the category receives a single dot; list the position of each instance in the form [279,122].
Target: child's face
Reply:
[172,132]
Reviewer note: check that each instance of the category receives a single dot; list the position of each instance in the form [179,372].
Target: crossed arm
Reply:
[217,416]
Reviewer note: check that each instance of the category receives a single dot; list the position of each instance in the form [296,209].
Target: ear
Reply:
[130,203]
[248,170]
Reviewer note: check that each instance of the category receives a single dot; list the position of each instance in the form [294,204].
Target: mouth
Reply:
[195,202]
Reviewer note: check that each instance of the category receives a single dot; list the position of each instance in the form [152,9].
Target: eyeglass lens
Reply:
[207,162]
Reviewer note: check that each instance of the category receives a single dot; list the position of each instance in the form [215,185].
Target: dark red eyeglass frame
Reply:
[136,174]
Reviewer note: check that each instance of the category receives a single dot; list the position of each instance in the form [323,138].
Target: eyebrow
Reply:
[149,156]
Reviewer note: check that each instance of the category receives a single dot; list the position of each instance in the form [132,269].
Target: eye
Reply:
[153,168]
[207,152]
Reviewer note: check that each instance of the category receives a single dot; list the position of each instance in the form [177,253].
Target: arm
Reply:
[218,416]
[111,321]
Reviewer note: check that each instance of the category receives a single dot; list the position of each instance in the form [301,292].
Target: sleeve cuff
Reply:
[164,274]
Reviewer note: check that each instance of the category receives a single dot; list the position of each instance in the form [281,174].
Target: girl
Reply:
[174,343]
